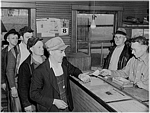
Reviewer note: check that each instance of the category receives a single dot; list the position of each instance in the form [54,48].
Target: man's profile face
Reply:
[26,36]
[137,49]
[37,49]
[58,55]
[119,39]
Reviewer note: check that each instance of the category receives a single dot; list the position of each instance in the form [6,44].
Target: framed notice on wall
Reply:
[49,27]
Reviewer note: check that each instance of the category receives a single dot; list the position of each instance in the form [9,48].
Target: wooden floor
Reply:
[4,102]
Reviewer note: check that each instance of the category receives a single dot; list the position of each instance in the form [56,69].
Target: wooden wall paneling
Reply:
[74,32]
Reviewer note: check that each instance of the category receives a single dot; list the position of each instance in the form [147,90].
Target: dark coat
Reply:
[44,88]
[123,59]
[4,64]
[24,81]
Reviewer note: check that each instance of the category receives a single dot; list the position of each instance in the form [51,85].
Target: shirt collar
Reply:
[51,65]
[145,58]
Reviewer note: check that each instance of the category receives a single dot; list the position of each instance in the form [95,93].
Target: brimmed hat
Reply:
[32,41]
[55,44]
[121,31]
[25,29]
[12,31]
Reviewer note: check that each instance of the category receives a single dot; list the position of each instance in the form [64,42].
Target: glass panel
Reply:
[15,18]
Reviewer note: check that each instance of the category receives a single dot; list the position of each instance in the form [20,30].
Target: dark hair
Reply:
[140,39]
[25,29]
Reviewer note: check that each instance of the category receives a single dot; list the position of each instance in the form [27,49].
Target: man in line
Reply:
[120,53]
[11,37]
[35,46]
[137,68]
[50,86]
[15,59]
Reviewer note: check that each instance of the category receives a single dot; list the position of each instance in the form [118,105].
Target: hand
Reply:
[3,86]
[14,92]
[85,77]
[105,72]
[30,108]
[60,104]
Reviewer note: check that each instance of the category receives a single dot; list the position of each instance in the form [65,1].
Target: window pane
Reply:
[15,18]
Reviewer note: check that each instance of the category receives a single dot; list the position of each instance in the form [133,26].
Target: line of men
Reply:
[49,88]
[42,83]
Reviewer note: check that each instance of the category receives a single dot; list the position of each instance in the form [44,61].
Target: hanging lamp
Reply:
[93,25]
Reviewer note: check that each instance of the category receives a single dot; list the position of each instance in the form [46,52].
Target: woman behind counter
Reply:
[35,47]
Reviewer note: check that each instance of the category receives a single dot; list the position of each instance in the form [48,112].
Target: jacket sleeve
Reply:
[125,72]
[72,70]
[24,84]
[37,87]
[10,69]
[3,66]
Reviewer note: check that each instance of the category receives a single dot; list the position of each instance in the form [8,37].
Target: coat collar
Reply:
[51,75]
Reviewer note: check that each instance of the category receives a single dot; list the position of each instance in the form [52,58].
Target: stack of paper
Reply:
[122,82]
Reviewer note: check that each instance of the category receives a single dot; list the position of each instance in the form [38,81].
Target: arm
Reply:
[10,69]
[125,72]
[72,70]
[24,84]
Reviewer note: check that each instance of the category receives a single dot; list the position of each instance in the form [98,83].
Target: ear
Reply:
[50,52]
[21,37]
[125,39]
[31,49]
[7,39]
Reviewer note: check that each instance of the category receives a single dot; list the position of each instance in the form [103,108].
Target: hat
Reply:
[25,29]
[121,31]
[55,44]
[32,41]
[12,31]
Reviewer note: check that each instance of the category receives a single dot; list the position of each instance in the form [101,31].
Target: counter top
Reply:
[113,97]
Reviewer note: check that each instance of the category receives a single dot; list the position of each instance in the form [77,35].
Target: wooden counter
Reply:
[101,96]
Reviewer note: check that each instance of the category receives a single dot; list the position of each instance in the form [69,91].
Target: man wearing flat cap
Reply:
[50,86]
[35,46]
[120,53]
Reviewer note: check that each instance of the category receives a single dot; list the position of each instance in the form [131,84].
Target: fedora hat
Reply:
[12,31]
[121,31]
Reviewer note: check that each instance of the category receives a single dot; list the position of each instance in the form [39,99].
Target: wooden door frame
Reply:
[76,8]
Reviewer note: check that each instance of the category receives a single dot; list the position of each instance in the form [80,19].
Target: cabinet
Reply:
[136,30]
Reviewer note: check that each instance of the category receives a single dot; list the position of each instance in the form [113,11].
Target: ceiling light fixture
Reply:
[93,25]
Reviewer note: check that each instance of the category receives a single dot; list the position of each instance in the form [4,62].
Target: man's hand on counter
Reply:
[84,77]
[105,72]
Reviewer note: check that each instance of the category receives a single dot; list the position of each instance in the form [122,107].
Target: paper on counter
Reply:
[96,73]
[129,106]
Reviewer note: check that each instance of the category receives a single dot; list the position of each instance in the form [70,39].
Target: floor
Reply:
[3,101]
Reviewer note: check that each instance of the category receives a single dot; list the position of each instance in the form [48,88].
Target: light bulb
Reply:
[93,26]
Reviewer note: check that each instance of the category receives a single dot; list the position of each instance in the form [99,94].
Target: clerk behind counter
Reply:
[137,68]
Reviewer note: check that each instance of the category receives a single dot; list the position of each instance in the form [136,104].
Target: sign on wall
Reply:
[49,27]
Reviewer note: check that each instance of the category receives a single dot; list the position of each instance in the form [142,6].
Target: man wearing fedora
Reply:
[11,37]
[15,60]
[50,86]
[120,53]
